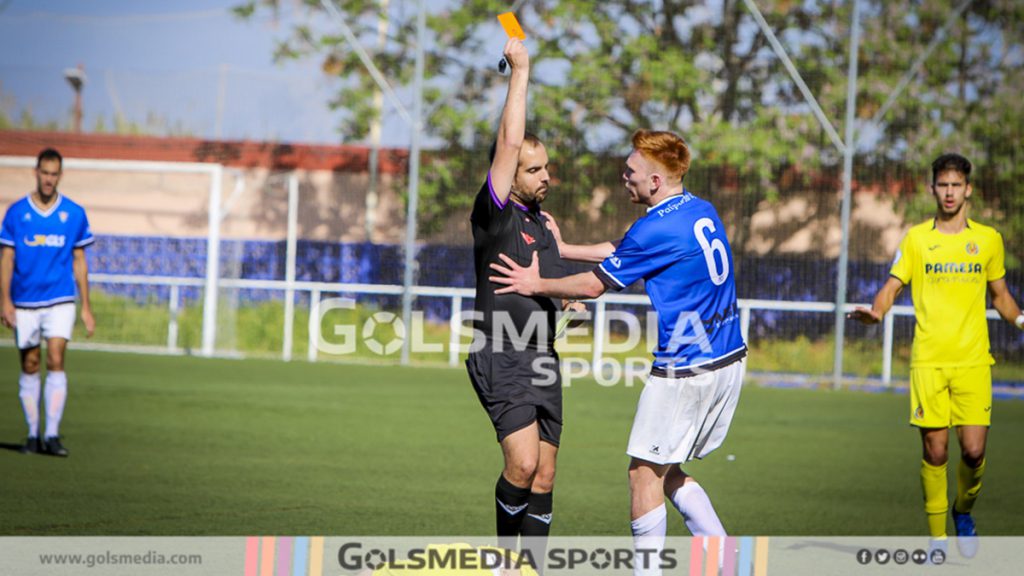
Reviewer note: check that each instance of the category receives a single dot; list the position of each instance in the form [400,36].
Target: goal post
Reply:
[215,174]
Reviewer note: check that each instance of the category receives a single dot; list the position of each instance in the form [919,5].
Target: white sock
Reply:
[649,534]
[693,503]
[28,391]
[56,393]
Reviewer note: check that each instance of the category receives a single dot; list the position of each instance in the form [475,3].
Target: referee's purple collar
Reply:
[499,203]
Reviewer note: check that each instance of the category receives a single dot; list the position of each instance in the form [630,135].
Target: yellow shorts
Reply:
[944,397]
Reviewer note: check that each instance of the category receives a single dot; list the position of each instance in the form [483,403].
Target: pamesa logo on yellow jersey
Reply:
[952,268]
[45,240]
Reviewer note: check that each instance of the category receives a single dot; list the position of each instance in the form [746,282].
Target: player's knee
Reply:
[935,454]
[972,454]
[55,363]
[521,471]
[30,365]
[671,485]
[674,480]
[544,479]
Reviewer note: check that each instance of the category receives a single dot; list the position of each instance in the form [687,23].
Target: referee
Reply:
[512,358]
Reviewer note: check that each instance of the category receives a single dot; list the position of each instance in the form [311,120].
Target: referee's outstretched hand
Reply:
[865,315]
[517,279]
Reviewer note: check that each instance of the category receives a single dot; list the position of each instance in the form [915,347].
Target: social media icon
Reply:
[919,556]
[900,556]
[938,557]
[882,556]
[864,556]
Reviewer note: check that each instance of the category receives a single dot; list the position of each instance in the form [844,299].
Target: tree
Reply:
[602,69]
[966,99]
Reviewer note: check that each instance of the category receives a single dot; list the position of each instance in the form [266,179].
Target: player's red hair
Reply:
[665,148]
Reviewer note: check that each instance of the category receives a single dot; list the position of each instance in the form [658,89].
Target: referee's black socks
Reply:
[510,508]
[538,515]
[536,527]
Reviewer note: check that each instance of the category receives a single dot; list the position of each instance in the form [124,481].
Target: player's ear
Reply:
[656,181]
[970,189]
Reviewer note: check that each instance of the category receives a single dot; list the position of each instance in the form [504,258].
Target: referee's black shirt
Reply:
[517,232]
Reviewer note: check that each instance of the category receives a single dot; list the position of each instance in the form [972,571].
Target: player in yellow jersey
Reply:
[950,262]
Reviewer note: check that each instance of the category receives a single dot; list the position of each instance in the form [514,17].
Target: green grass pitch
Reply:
[188,446]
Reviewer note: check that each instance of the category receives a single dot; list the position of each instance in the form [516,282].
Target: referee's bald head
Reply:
[528,138]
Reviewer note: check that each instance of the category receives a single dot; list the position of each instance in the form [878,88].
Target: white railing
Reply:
[456,297]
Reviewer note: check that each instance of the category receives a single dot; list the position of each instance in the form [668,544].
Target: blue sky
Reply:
[164,58]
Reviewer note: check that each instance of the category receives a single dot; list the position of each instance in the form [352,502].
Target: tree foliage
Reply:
[603,69]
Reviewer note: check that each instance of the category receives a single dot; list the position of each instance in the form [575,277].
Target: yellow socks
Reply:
[936,503]
[967,486]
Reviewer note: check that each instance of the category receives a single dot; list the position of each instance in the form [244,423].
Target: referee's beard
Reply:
[531,198]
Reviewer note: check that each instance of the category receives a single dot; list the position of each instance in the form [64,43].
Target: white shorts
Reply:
[679,419]
[50,322]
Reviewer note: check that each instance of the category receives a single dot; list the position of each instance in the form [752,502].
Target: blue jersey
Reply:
[43,244]
[681,252]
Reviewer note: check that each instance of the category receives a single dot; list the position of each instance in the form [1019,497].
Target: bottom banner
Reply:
[478,556]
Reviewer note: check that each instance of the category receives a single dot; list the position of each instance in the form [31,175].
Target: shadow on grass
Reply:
[18,448]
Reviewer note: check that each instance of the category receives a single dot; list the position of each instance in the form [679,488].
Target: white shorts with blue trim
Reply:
[679,419]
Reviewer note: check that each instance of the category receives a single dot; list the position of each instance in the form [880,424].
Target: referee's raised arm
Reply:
[512,129]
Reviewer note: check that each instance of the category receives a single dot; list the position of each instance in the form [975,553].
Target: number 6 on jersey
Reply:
[710,248]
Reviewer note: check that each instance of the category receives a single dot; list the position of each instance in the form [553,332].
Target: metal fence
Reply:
[457,299]
[267,291]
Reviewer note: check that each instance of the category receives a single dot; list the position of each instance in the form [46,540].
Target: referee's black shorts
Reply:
[517,388]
